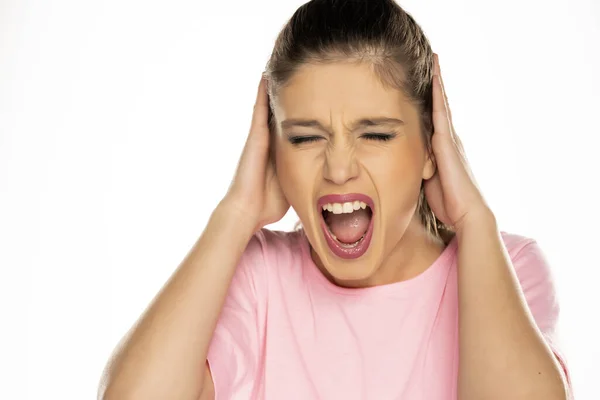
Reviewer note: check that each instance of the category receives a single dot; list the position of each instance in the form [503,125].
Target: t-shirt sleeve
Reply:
[535,276]
[235,349]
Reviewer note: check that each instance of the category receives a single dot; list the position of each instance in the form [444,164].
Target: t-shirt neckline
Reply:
[401,288]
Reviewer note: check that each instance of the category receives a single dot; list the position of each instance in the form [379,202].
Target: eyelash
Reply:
[384,137]
[296,140]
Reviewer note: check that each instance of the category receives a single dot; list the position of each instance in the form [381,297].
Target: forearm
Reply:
[502,352]
[164,354]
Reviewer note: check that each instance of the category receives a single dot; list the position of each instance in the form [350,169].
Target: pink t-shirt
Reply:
[286,332]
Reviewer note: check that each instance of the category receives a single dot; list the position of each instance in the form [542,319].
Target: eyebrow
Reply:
[361,123]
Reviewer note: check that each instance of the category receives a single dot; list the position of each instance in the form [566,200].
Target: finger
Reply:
[437,71]
[436,64]
[459,145]
[261,108]
[446,106]
[441,119]
[455,136]
[257,143]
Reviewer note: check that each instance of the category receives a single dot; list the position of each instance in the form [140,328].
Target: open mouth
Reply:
[347,222]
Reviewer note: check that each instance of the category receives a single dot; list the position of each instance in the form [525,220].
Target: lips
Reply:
[342,250]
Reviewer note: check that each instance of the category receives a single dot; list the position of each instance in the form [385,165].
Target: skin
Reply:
[502,353]
[343,160]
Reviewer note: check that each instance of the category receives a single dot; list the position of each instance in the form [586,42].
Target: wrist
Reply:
[480,220]
[238,214]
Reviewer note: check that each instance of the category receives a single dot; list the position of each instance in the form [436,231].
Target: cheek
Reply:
[397,176]
[296,176]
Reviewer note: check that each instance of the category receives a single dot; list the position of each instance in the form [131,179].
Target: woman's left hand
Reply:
[452,192]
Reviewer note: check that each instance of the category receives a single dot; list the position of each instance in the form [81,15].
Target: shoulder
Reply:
[275,246]
[527,257]
[269,252]
[263,257]
[515,243]
[535,277]
[267,244]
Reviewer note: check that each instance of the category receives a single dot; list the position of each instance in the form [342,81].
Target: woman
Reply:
[399,270]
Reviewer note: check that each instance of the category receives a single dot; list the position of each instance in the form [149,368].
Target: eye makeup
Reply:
[297,140]
[378,136]
[384,137]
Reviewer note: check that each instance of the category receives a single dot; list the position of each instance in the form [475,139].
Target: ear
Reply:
[429,167]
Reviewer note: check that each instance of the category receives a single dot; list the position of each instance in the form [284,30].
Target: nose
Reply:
[340,166]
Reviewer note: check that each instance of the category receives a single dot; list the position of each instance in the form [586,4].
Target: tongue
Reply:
[348,228]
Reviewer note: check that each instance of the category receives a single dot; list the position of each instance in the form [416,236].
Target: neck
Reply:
[416,251]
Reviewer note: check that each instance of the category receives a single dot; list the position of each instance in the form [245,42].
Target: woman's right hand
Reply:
[255,194]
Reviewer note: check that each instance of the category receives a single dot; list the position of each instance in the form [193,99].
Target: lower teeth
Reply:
[347,244]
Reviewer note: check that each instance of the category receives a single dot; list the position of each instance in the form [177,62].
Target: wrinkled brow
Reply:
[361,123]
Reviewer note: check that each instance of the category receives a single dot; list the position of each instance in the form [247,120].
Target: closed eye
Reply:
[379,136]
[296,140]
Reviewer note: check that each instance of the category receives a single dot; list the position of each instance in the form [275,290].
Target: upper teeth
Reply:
[344,208]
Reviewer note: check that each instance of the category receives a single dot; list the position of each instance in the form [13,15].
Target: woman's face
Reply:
[349,145]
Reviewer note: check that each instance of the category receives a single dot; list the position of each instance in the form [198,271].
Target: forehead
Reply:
[346,88]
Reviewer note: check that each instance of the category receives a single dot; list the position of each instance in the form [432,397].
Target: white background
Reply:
[121,123]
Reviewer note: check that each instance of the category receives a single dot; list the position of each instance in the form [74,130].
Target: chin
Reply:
[348,237]
[349,266]
[344,272]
